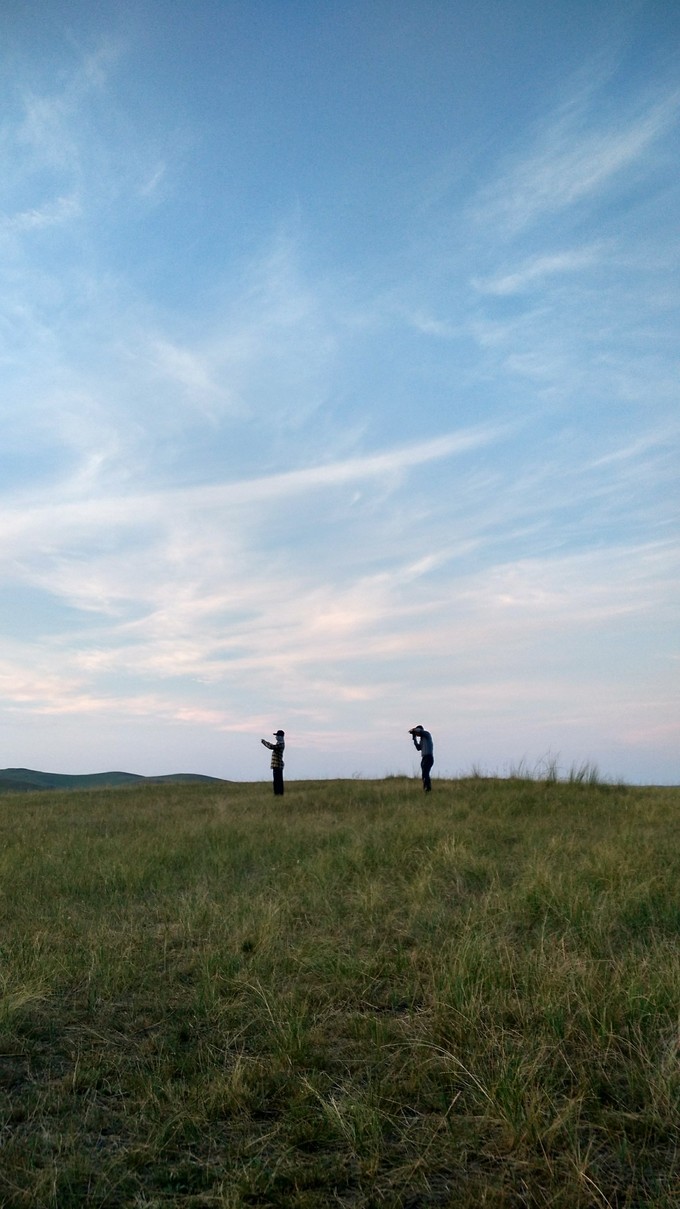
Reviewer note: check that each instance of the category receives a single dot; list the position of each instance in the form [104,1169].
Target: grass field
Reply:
[355,996]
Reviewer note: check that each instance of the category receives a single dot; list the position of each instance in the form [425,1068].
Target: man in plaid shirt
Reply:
[277,750]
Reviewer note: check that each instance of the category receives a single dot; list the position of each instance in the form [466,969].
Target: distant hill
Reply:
[27,780]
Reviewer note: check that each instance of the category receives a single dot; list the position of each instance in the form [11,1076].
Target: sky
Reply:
[339,386]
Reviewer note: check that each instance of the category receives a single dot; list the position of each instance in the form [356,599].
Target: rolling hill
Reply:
[27,780]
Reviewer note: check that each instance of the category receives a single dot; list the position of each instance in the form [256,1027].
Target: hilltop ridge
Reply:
[27,780]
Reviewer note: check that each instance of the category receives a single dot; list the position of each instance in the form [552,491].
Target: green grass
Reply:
[356,996]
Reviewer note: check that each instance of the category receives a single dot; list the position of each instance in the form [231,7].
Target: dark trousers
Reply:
[277,774]
[425,766]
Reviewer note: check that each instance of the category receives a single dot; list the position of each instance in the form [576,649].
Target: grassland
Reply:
[357,996]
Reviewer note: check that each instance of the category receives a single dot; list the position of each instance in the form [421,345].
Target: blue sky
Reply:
[339,385]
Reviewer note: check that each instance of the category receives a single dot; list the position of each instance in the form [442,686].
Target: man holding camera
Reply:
[422,740]
[277,750]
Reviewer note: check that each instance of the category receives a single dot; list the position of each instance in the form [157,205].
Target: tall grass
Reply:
[357,996]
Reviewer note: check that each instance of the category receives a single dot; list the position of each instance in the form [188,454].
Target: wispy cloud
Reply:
[129,510]
[533,272]
[575,157]
[185,367]
[53,213]
[151,184]
[45,136]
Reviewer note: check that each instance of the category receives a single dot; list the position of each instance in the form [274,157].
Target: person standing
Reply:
[277,750]
[422,740]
